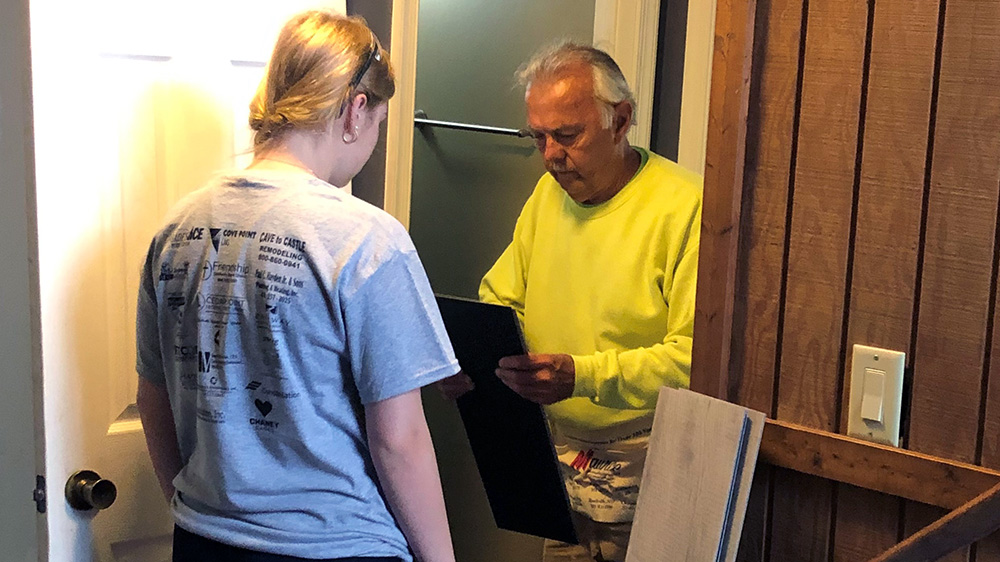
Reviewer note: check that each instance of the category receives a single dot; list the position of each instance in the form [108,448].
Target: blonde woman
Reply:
[285,329]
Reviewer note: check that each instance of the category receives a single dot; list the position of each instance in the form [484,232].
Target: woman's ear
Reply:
[353,118]
[354,111]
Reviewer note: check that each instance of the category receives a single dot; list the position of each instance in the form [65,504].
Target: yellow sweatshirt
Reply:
[611,284]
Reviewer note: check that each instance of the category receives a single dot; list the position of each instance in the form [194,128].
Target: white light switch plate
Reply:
[876,394]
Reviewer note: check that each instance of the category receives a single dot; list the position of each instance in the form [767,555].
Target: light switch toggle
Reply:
[874,395]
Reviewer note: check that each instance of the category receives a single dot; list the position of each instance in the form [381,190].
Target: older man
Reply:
[602,272]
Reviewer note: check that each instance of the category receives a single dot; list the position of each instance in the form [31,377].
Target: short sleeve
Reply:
[395,336]
[148,359]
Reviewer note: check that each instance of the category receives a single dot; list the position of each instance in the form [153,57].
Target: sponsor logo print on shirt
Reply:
[215,232]
[169,272]
[224,271]
[253,385]
[220,303]
[204,361]
[185,352]
[264,407]
[211,415]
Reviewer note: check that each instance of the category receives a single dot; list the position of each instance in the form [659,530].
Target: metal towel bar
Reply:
[420,120]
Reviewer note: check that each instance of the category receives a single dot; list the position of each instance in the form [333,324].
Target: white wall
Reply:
[18,518]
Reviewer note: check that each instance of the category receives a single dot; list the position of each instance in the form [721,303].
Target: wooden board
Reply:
[887,232]
[874,466]
[696,480]
[919,516]
[956,530]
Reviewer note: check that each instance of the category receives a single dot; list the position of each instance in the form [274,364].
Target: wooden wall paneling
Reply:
[866,523]
[989,549]
[959,246]
[800,519]
[960,233]
[987,66]
[887,232]
[755,524]
[769,140]
[821,213]
[890,195]
[823,200]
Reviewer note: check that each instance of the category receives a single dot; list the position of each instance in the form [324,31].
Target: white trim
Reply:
[627,30]
[399,128]
[23,532]
[698,50]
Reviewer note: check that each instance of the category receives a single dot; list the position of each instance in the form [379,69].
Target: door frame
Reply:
[627,29]
[22,529]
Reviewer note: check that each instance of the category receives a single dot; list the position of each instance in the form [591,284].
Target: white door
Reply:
[135,104]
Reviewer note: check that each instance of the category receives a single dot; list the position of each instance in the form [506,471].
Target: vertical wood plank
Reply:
[866,524]
[887,233]
[989,548]
[823,198]
[770,126]
[724,163]
[755,528]
[801,520]
[769,151]
[960,235]
[890,194]
[821,215]
[961,224]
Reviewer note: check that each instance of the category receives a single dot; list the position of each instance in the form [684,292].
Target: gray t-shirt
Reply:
[274,307]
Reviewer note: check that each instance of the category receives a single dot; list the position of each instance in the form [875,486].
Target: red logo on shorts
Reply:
[582,460]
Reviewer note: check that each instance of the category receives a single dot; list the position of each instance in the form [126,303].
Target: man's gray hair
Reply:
[610,86]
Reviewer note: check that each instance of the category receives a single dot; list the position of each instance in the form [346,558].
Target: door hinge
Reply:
[39,493]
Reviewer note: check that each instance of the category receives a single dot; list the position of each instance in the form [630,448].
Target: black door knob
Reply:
[86,490]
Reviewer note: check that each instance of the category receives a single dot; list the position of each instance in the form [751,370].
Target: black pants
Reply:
[189,547]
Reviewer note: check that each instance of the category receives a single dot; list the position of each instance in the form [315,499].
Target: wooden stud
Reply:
[724,162]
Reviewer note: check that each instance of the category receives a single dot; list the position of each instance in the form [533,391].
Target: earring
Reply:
[350,137]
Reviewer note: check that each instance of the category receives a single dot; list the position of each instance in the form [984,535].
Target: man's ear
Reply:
[622,119]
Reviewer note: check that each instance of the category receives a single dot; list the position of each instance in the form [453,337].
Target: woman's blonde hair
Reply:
[320,61]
